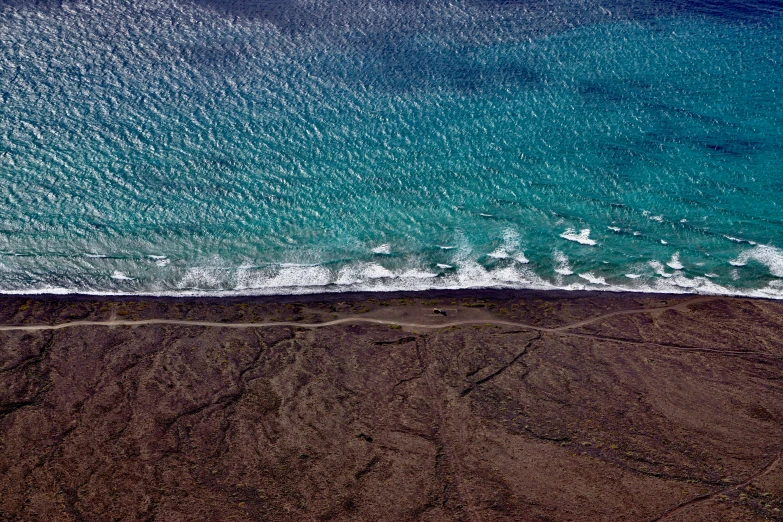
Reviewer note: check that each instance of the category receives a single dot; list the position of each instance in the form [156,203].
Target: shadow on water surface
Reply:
[400,64]
[292,15]
[295,15]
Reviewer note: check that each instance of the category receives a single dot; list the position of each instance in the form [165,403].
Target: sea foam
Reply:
[561,263]
[768,256]
[674,262]
[583,237]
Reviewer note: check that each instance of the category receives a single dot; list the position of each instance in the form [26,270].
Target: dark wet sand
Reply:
[530,406]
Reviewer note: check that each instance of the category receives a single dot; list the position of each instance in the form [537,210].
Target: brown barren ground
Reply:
[513,406]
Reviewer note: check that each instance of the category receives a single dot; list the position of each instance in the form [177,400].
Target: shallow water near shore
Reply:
[180,148]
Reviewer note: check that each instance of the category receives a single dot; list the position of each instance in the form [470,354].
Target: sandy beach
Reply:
[503,405]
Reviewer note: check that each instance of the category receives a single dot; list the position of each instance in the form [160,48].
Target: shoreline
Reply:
[432,293]
[302,292]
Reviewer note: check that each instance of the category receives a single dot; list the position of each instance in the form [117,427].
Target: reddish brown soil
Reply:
[576,413]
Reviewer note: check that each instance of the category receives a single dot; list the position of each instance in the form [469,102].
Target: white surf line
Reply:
[682,306]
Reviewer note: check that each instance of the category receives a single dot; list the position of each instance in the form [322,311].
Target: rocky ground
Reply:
[579,412]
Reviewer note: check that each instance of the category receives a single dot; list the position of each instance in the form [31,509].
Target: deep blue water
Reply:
[205,146]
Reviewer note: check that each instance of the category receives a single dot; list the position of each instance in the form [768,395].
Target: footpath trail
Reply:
[681,306]
[353,319]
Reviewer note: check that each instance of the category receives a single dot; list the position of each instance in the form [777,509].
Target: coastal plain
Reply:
[503,405]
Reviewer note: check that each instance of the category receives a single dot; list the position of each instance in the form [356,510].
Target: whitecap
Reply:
[292,276]
[384,249]
[739,240]
[510,245]
[615,229]
[664,242]
[120,276]
[593,279]
[249,277]
[500,253]
[473,275]
[348,275]
[583,237]
[444,266]
[775,285]
[376,271]
[417,274]
[96,256]
[509,276]
[674,262]
[711,275]
[679,283]
[633,276]
[199,277]
[657,266]
[768,256]
[561,263]
[160,260]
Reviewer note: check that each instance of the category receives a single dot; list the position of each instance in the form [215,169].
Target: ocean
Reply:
[213,147]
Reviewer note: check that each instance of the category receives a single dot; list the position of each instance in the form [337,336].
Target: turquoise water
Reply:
[179,147]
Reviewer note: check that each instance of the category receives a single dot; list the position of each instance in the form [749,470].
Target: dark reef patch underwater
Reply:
[249,147]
